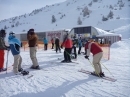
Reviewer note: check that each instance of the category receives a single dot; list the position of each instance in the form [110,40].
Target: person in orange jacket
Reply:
[97,52]
[2,48]
[67,43]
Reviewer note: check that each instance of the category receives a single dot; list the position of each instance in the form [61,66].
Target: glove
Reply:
[8,48]
[87,57]
[61,46]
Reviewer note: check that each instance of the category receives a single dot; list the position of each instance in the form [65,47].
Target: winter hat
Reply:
[31,31]
[2,33]
[11,33]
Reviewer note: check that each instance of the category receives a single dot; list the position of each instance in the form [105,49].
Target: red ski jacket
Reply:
[67,43]
[93,48]
[52,41]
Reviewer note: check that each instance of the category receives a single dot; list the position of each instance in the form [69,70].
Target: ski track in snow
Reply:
[63,80]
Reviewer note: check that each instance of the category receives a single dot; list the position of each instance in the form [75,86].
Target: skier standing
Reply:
[80,45]
[57,44]
[67,43]
[45,41]
[52,42]
[32,41]
[97,52]
[2,48]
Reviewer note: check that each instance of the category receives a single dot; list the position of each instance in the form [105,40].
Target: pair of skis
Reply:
[91,73]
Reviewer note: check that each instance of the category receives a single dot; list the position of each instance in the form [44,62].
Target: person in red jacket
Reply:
[97,52]
[67,43]
[52,42]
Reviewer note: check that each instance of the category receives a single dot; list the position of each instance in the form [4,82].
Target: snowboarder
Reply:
[32,41]
[57,44]
[97,52]
[67,43]
[15,45]
[2,48]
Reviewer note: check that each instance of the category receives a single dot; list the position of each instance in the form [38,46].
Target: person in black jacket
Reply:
[57,44]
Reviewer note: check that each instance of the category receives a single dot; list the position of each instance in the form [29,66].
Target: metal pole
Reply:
[7,61]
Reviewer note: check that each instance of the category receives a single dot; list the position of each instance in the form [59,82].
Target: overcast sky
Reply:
[11,8]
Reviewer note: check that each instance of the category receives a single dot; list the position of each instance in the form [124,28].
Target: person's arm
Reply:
[2,44]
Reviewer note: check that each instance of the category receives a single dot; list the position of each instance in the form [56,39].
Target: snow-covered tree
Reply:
[79,22]
[5,27]
[85,11]
[53,19]
[110,15]
[111,7]
[17,23]
[104,18]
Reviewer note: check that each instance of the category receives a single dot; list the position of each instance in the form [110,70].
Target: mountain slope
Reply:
[67,14]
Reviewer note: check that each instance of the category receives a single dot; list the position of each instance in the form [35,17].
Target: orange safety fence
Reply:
[39,46]
[106,50]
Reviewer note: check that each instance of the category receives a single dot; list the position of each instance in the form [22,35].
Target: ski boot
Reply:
[25,72]
[20,70]
[37,67]
[3,69]
[102,74]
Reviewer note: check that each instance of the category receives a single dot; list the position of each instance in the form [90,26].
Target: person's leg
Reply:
[16,62]
[59,48]
[33,51]
[56,48]
[96,59]
[20,61]
[1,59]
[46,46]
[69,54]
[75,53]
[52,45]
[79,50]
[65,54]
[100,57]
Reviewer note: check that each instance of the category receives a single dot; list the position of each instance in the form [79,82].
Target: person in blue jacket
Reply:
[45,41]
[15,45]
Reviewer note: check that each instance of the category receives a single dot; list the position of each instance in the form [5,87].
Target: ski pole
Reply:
[68,53]
[7,61]
[107,69]
[94,68]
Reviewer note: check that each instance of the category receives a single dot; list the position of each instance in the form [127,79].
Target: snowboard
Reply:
[91,73]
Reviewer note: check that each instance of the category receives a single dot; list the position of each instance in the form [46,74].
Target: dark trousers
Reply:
[79,51]
[58,48]
[67,54]
[75,53]
[45,47]
[52,45]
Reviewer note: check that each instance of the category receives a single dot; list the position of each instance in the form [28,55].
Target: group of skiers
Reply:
[15,44]
[90,46]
